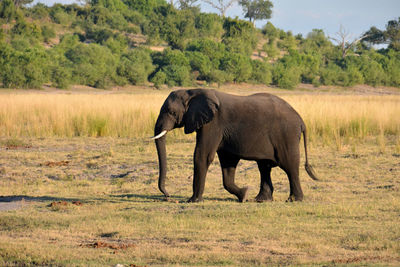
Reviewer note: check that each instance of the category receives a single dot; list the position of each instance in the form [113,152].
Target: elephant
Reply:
[259,127]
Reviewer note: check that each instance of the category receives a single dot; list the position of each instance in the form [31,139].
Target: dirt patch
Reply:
[110,245]
[6,206]
[55,163]
[59,204]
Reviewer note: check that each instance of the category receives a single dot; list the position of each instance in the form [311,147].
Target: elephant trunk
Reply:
[162,163]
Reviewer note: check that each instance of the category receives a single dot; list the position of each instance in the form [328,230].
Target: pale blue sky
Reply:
[301,16]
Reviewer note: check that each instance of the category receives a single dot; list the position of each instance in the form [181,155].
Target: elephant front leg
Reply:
[228,166]
[201,163]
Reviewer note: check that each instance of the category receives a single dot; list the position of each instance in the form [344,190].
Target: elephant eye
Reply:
[173,113]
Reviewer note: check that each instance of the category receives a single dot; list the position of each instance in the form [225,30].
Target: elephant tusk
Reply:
[159,135]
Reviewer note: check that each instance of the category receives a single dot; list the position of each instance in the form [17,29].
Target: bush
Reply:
[59,16]
[393,68]
[39,11]
[170,57]
[47,33]
[209,26]
[261,72]
[93,65]
[240,36]
[199,62]
[177,75]
[271,50]
[286,77]
[331,75]
[136,66]
[219,77]
[373,73]
[238,65]
[117,45]
[61,77]
[27,30]
[354,77]
[23,69]
[213,50]
[7,10]
[270,31]
[159,79]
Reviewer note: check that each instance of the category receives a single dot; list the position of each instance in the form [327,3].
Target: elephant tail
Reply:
[308,167]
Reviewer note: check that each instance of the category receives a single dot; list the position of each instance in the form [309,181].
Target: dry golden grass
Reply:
[336,119]
[350,217]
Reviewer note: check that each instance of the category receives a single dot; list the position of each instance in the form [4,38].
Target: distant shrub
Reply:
[393,68]
[271,50]
[117,44]
[59,16]
[373,73]
[219,77]
[354,77]
[209,25]
[288,42]
[199,62]
[170,57]
[39,11]
[286,77]
[238,65]
[136,66]
[23,69]
[61,77]
[26,29]
[261,72]
[331,75]
[20,43]
[159,79]
[240,36]
[177,75]
[212,49]
[270,31]
[7,10]
[47,33]
[316,81]
[93,65]
[175,65]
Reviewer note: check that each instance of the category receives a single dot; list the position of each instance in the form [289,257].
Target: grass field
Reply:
[79,200]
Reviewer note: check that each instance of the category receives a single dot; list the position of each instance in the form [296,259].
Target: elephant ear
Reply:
[201,110]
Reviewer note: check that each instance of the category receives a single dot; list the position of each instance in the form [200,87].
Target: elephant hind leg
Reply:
[228,165]
[290,164]
[266,188]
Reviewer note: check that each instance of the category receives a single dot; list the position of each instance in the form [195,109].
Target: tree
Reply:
[19,3]
[7,10]
[188,4]
[390,36]
[256,9]
[221,5]
[343,40]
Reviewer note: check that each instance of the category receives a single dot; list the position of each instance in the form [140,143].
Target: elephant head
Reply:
[190,109]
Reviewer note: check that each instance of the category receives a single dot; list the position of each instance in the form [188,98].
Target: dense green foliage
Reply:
[108,42]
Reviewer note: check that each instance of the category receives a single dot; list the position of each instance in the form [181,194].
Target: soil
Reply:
[111,245]
[56,163]
[56,204]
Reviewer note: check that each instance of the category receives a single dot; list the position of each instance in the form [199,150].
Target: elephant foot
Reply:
[263,197]
[293,198]
[194,199]
[244,194]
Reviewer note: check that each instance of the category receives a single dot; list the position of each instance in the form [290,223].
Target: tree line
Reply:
[106,42]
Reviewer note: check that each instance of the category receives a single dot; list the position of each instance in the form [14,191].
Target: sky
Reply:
[302,16]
